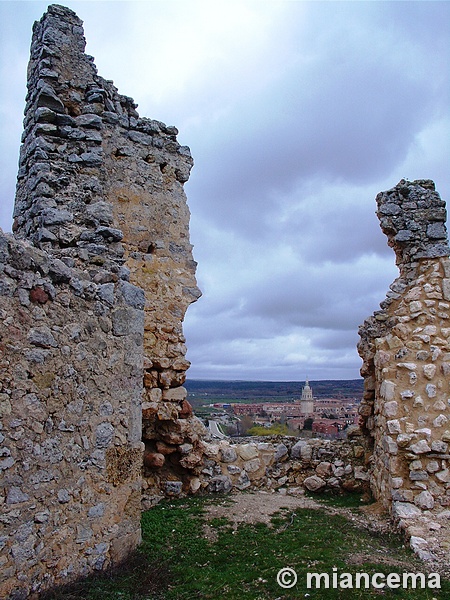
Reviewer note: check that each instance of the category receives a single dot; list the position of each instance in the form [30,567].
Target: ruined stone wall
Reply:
[70,422]
[405,349]
[281,464]
[94,286]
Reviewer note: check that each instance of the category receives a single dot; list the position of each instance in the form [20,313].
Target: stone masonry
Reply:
[70,422]
[94,285]
[405,348]
[283,465]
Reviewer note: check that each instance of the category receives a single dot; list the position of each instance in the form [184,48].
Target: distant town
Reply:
[266,409]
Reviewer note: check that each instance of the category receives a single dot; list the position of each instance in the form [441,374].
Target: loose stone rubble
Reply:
[275,464]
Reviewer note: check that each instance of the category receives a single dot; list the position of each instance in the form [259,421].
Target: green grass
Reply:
[177,562]
[275,429]
[348,500]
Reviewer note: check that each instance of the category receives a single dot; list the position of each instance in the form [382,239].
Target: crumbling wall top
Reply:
[78,134]
[405,349]
[413,216]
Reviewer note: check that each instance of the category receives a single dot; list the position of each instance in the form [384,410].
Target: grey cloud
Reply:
[336,340]
[320,223]
[346,113]
[332,297]
[272,363]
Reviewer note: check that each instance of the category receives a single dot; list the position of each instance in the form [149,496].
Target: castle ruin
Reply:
[94,284]
[405,347]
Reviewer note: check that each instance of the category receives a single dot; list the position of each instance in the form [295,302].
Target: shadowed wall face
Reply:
[70,404]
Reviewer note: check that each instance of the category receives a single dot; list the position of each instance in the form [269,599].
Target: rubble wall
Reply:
[283,465]
[406,358]
[70,421]
[94,284]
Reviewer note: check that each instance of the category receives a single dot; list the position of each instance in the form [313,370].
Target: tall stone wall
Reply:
[405,348]
[94,285]
[70,422]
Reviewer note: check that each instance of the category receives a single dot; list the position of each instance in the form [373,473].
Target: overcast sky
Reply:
[297,114]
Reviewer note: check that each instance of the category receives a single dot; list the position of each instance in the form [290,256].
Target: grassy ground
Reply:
[178,562]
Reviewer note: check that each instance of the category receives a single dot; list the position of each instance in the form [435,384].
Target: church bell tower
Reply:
[307,400]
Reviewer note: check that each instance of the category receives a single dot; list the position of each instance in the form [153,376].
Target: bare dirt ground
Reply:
[260,506]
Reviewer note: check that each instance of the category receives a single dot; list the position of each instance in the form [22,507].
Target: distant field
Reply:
[205,392]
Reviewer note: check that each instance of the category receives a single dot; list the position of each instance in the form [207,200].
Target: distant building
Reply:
[296,423]
[271,409]
[332,408]
[307,400]
[330,416]
[326,427]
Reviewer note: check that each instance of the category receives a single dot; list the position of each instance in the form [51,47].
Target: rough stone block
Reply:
[281,452]
[406,510]
[42,337]
[233,469]
[424,500]
[314,483]
[221,484]
[132,295]
[127,321]
[387,390]
[252,466]
[301,450]
[173,488]
[444,476]
[446,289]
[440,421]
[361,473]
[103,435]
[323,469]
[420,447]
[247,451]
[177,394]
[167,411]
[419,476]
[430,390]
[390,445]
[16,496]
[439,446]
[243,481]
[446,436]
[228,454]
[394,426]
